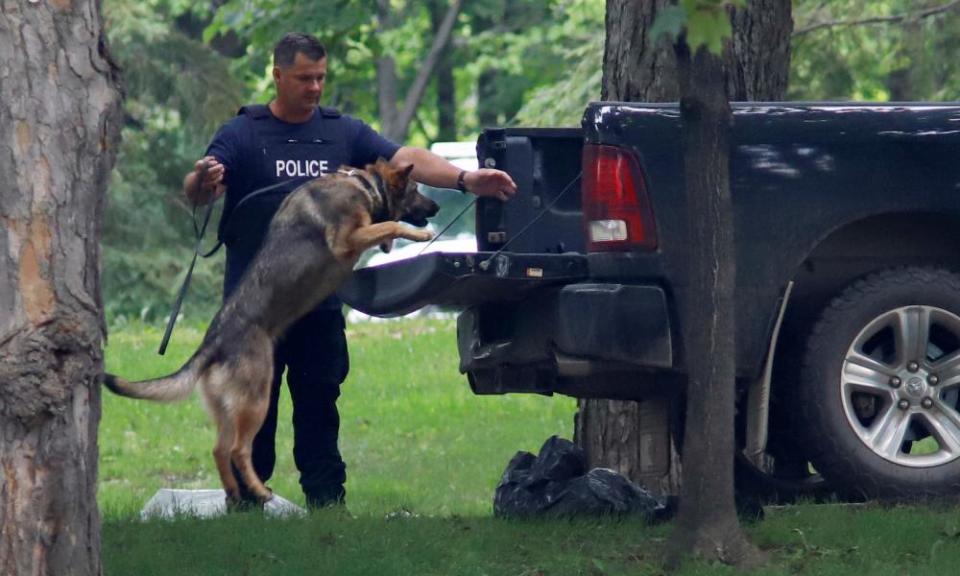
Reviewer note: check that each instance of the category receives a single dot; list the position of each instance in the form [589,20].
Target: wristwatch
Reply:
[461,185]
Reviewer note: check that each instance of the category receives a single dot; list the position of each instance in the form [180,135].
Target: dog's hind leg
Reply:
[221,455]
[212,388]
[250,409]
[248,420]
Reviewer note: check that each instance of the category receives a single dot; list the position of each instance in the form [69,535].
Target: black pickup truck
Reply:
[847,232]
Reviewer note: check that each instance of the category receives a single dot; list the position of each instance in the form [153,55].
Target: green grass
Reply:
[417,440]
[413,435]
[811,540]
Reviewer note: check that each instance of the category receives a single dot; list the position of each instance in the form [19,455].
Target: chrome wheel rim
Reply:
[900,384]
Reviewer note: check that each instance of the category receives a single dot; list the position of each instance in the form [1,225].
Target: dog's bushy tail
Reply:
[172,388]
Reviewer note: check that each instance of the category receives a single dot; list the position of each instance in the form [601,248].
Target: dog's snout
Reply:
[418,212]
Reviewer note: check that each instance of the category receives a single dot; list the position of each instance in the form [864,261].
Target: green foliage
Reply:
[577,46]
[505,46]
[345,26]
[177,92]
[706,23]
[526,62]
[870,50]
[179,89]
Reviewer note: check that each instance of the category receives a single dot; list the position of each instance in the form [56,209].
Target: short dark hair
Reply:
[292,43]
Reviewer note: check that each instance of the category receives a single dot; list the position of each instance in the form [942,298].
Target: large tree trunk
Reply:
[59,122]
[758,61]
[632,437]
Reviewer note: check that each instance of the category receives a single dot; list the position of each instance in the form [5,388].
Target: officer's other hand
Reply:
[491,183]
[211,187]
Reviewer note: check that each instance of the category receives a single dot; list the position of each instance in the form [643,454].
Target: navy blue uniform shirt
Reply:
[258,150]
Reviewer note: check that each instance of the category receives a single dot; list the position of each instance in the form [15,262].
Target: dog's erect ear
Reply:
[406,170]
[386,246]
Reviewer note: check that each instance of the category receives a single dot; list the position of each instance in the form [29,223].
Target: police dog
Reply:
[311,247]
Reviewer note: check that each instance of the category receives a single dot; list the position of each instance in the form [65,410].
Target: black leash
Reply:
[198,232]
[226,216]
[449,224]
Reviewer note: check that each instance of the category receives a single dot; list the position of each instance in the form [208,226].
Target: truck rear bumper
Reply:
[613,323]
[528,319]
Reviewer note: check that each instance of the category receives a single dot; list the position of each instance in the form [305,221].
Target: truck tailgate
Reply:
[457,280]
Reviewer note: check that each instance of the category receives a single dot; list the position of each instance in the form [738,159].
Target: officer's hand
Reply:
[489,182]
[211,187]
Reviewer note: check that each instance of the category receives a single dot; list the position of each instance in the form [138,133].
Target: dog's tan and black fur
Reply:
[311,247]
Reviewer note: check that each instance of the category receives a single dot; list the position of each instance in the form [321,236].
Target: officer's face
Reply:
[300,85]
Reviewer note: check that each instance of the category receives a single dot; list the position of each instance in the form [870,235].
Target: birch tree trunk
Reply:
[59,123]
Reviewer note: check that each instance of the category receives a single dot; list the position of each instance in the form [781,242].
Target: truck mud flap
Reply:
[457,280]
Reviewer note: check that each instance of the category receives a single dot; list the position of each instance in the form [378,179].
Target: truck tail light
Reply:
[616,207]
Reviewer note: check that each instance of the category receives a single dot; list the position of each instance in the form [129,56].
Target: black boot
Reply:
[326,497]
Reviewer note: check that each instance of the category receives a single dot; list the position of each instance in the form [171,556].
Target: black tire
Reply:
[861,427]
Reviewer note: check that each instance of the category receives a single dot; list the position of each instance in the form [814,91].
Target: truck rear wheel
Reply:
[880,384]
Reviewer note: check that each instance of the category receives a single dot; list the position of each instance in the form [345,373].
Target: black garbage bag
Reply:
[556,483]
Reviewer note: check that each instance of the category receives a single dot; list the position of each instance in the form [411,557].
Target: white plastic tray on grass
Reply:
[170,503]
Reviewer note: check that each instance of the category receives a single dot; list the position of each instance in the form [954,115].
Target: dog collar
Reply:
[375,189]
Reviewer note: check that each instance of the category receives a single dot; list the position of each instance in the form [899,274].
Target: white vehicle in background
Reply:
[464,156]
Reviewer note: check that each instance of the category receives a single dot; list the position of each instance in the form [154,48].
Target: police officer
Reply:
[288,142]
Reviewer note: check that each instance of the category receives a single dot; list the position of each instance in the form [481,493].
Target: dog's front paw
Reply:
[420,235]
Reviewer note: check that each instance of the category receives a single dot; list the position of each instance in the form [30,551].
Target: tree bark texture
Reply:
[707,524]
[636,69]
[59,122]
[758,61]
[633,438]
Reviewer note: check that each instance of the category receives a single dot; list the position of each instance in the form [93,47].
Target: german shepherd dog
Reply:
[311,247]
